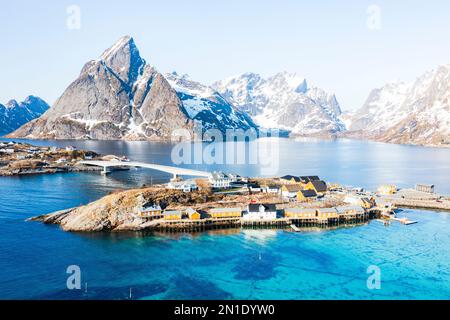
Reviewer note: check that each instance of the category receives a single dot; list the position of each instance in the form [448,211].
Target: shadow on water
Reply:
[192,288]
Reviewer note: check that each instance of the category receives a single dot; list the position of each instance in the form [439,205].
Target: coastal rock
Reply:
[118,211]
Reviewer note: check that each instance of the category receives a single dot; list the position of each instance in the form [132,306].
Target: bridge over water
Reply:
[175,171]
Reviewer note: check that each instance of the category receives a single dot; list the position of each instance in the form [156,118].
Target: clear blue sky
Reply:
[330,44]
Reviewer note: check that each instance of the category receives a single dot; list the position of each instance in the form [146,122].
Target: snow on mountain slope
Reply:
[202,103]
[120,96]
[416,113]
[15,114]
[283,101]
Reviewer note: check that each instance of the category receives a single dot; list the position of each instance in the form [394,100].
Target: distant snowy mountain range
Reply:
[414,113]
[14,114]
[120,96]
[284,101]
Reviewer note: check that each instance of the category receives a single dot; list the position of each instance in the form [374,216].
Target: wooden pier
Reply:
[296,224]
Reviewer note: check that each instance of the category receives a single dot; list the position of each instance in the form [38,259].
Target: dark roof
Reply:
[308,193]
[254,207]
[290,177]
[293,187]
[319,185]
[306,179]
[273,186]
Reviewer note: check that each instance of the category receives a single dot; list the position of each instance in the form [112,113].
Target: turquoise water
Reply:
[236,264]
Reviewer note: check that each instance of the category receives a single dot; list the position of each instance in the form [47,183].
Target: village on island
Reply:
[218,200]
[287,201]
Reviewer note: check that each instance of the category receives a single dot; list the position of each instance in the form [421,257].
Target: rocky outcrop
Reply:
[118,211]
[14,114]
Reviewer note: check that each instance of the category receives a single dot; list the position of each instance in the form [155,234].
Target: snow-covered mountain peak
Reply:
[283,101]
[123,59]
[288,81]
[12,104]
[416,112]
[184,84]
[14,114]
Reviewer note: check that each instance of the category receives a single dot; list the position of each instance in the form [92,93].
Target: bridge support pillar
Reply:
[105,170]
[175,178]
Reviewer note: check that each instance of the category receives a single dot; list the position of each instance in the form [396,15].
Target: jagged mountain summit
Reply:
[414,113]
[14,114]
[283,101]
[205,104]
[120,96]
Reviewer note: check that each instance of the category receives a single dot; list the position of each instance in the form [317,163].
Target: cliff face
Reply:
[120,96]
[117,96]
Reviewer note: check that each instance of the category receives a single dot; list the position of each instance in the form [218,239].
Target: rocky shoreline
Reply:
[17,159]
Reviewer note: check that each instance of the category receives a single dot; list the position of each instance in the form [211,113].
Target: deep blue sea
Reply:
[233,264]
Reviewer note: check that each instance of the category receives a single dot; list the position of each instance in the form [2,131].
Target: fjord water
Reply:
[229,264]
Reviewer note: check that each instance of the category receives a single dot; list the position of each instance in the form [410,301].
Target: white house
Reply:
[8,151]
[185,186]
[271,188]
[71,148]
[290,190]
[253,187]
[219,179]
[260,212]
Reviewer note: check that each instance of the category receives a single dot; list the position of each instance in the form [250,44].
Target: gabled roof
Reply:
[190,210]
[308,193]
[344,209]
[319,185]
[290,177]
[293,187]
[300,210]
[306,179]
[326,210]
[224,210]
[268,207]
[151,208]
[172,212]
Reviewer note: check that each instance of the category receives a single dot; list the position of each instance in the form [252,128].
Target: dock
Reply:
[405,221]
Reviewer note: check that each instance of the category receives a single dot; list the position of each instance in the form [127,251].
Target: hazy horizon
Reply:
[347,49]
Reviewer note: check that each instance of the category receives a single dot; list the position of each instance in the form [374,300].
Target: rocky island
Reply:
[17,158]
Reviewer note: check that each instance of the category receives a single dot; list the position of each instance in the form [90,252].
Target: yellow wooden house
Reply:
[151,212]
[173,215]
[327,213]
[306,195]
[318,186]
[300,213]
[218,213]
[192,214]
[387,189]
[367,203]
